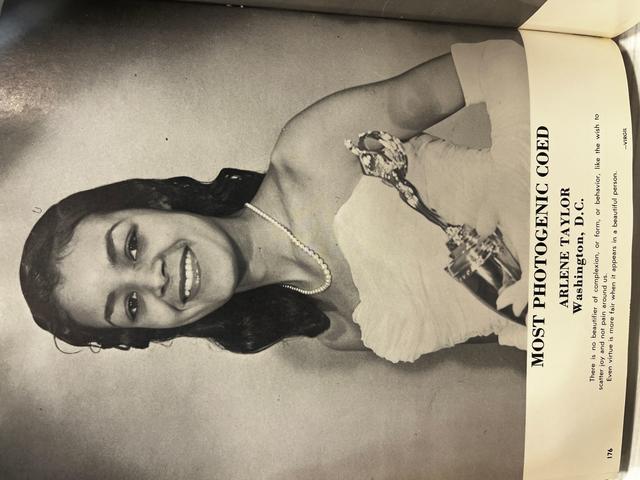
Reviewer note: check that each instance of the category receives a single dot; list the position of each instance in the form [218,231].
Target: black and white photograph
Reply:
[261,243]
[304,239]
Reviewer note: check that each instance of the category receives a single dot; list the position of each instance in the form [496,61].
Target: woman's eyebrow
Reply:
[111,255]
[108,308]
[111,248]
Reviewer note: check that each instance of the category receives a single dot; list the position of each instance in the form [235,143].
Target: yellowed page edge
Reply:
[586,17]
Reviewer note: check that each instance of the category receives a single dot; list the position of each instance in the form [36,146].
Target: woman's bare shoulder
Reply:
[294,137]
[301,139]
[308,156]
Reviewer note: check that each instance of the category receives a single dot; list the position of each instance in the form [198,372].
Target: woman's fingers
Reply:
[516,295]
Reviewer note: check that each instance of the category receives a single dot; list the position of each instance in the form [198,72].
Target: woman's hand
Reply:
[516,295]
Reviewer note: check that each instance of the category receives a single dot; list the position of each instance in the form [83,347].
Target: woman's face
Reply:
[145,269]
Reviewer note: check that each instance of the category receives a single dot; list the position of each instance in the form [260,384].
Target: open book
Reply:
[416,216]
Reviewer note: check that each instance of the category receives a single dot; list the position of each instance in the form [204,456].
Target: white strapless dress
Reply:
[409,305]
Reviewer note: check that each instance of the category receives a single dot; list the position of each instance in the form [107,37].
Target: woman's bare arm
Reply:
[403,106]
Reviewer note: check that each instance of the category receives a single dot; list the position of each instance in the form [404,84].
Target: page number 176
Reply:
[609,452]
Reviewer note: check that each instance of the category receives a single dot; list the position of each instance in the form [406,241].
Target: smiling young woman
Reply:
[120,245]
[146,269]
[320,251]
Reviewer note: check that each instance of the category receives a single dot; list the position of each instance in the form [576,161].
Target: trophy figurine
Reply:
[484,264]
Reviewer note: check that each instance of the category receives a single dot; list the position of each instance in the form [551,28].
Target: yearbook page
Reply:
[581,232]
[252,243]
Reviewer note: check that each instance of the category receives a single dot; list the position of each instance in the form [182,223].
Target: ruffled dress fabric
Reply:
[409,305]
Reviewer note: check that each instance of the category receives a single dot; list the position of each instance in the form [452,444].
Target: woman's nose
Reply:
[150,276]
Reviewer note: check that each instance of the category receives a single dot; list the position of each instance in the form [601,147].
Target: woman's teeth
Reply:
[190,275]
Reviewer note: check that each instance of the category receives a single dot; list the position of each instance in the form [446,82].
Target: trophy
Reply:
[484,264]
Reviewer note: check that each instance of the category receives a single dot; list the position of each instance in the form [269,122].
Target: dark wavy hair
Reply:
[249,322]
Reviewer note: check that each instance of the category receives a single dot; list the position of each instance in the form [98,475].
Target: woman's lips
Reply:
[189,275]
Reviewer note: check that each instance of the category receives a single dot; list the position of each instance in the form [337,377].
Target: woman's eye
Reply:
[131,306]
[131,247]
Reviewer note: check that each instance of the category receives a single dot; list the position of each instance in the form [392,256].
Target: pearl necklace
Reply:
[306,249]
